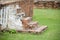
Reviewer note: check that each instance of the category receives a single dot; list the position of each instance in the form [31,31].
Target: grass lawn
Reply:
[49,17]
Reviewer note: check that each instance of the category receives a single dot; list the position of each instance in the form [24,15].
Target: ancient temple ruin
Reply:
[17,15]
[11,8]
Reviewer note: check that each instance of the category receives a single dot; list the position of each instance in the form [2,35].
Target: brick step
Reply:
[36,30]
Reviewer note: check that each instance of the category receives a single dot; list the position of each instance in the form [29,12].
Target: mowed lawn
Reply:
[49,17]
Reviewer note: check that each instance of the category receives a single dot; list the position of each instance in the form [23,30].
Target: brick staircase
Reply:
[32,26]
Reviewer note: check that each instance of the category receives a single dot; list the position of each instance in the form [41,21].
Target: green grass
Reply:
[49,17]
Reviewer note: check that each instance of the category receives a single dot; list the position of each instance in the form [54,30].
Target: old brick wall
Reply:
[27,6]
[47,4]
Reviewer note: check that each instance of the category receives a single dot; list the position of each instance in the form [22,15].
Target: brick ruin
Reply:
[26,5]
[8,8]
[18,15]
